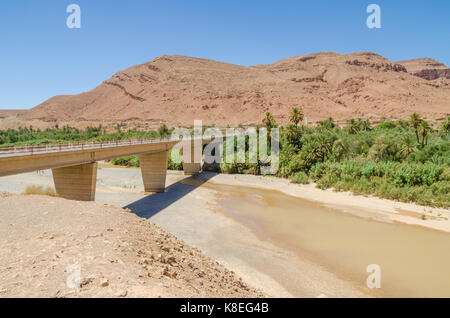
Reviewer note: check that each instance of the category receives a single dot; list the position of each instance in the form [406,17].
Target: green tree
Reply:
[424,129]
[408,147]
[352,126]
[293,136]
[445,127]
[163,130]
[296,116]
[364,125]
[415,120]
[327,124]
[269,121]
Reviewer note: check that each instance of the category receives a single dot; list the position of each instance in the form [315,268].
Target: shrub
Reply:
[300,178]
[128,161]
[294,165]
[177,164]
[40,190]
[386,125]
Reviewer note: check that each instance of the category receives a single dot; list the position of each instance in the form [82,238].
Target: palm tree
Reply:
[364,124]
[317,149]
[415,121]
[296,116]
[407,148]
[340,148]
[424,129]
[352,126]
[330,122]
[324,147]
[163,130]
[294,135]
[327,124]
[270,123]
[445,127]
[311,152]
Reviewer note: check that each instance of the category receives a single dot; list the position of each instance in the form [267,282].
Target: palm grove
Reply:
[402,160]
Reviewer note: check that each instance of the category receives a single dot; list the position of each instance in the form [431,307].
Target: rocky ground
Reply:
[47,241]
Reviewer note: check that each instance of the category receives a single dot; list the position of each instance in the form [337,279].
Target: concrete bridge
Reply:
[74,166]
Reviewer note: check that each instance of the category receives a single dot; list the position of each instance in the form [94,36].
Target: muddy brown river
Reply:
[414,261]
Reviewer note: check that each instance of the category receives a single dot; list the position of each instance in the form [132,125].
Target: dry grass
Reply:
[33,189]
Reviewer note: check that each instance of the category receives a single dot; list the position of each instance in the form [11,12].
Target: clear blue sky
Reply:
[40,57]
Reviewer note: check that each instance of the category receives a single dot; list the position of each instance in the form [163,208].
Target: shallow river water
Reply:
[414,261]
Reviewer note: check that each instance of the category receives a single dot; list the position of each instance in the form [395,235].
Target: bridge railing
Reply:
[74,146]
[60,147]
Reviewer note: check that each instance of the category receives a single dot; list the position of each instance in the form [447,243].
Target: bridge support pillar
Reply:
[76,182]
[193,165]
[190,169]
[154,170]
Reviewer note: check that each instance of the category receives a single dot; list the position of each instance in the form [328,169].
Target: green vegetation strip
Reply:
[403,160]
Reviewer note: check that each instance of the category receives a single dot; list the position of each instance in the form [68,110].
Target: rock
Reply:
[104,282]
[171,259]
[166,271]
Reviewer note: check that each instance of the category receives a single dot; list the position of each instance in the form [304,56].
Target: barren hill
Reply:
[4,113]
[178,89]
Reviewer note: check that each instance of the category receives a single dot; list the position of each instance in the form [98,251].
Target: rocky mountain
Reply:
[178,89]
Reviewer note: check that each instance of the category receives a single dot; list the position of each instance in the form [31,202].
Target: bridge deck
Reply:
[14,160]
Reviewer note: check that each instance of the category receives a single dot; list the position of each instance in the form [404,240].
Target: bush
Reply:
[426,184]
[128,161]
[177,164]
[386,125]
[300,178]
[40,190]
[292,166]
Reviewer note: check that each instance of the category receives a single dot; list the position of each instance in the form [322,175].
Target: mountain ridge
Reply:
[177,89]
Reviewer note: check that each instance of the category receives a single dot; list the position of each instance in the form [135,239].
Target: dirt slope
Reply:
[4,113]
[118,254]
[178,89]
